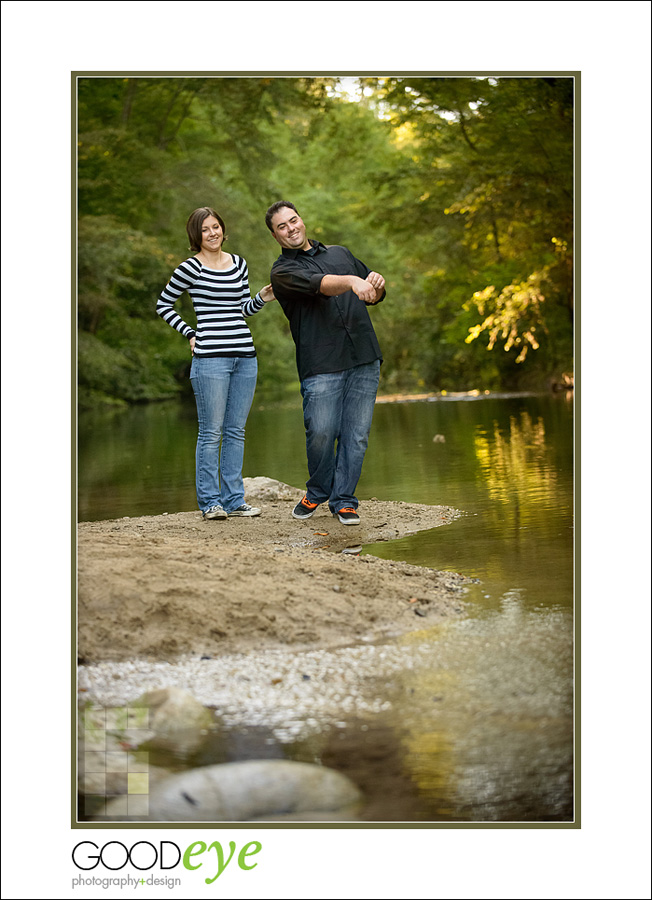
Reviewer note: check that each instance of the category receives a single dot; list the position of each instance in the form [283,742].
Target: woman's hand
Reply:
[191,341]
[267,293]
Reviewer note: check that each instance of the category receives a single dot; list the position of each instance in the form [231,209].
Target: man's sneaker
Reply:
[215,512]
[348,516]
[245,510]
[304,509]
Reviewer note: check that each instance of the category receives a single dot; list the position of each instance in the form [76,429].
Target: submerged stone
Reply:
[251,790]
[177,720]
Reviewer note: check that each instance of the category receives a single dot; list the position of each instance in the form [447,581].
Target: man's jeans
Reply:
[338,406]
[224,390]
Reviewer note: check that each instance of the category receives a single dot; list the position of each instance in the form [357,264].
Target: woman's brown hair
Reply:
[194,223]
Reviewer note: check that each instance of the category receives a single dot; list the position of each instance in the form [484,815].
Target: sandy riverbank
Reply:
[157,587]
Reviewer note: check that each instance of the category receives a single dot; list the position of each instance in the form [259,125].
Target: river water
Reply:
[477,723]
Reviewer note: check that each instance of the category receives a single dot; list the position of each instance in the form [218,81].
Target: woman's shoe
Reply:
[215,512]
[244,510]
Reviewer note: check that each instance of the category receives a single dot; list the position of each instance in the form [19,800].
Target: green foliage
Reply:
[119,374]
[458,190]
[493,159]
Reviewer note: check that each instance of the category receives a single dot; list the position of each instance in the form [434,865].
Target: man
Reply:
[324,292]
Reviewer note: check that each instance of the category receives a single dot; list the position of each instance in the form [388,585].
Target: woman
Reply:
[224,367]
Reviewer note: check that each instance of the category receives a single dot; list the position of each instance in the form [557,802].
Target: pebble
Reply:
[306,693]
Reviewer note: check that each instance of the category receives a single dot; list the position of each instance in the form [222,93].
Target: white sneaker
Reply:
[245,510]
[215,512]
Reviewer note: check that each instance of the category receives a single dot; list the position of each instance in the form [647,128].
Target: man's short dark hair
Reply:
[274,208]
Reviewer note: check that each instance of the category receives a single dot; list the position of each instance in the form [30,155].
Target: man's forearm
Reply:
[331,285]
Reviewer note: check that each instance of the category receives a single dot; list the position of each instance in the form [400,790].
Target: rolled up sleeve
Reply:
[292,280]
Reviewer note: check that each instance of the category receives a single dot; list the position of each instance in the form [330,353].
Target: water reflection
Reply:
[508,465]
[487,726]
[517,461]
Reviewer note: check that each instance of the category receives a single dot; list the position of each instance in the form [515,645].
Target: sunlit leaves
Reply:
[512,315]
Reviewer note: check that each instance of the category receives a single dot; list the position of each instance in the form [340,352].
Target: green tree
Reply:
[459,190]
[491,199]
[149,151]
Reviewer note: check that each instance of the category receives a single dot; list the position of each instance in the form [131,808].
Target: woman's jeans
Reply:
[224,390]
[338,406]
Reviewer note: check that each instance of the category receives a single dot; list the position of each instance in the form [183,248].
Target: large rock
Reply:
[173,709]
[179,722]
[267,489]
[253,790]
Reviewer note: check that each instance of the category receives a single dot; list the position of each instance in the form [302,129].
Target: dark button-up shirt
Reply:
[331,333]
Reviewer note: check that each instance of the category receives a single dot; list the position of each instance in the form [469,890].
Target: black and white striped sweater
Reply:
[221,299]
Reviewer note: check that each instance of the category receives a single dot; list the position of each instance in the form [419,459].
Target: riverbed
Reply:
[466,718]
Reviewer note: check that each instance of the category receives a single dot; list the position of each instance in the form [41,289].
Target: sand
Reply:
[161,587]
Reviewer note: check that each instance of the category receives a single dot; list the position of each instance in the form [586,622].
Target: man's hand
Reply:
[191,341]
[378,283]
[364,289]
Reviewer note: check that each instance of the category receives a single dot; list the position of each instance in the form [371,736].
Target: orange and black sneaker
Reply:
[348,516]
[304,509]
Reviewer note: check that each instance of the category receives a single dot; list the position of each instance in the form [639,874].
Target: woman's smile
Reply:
[211,234]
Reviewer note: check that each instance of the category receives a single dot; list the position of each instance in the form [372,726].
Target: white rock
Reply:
[251,790]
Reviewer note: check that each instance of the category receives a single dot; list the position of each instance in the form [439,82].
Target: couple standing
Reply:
[324,292]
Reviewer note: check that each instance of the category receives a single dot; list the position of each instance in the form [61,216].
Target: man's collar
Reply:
[293,252]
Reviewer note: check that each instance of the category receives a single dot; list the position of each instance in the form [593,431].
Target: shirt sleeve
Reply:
[183,278]
[250,305]
[290,280]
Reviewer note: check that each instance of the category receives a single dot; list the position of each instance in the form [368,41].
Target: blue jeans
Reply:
[224,390]
[338,407]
